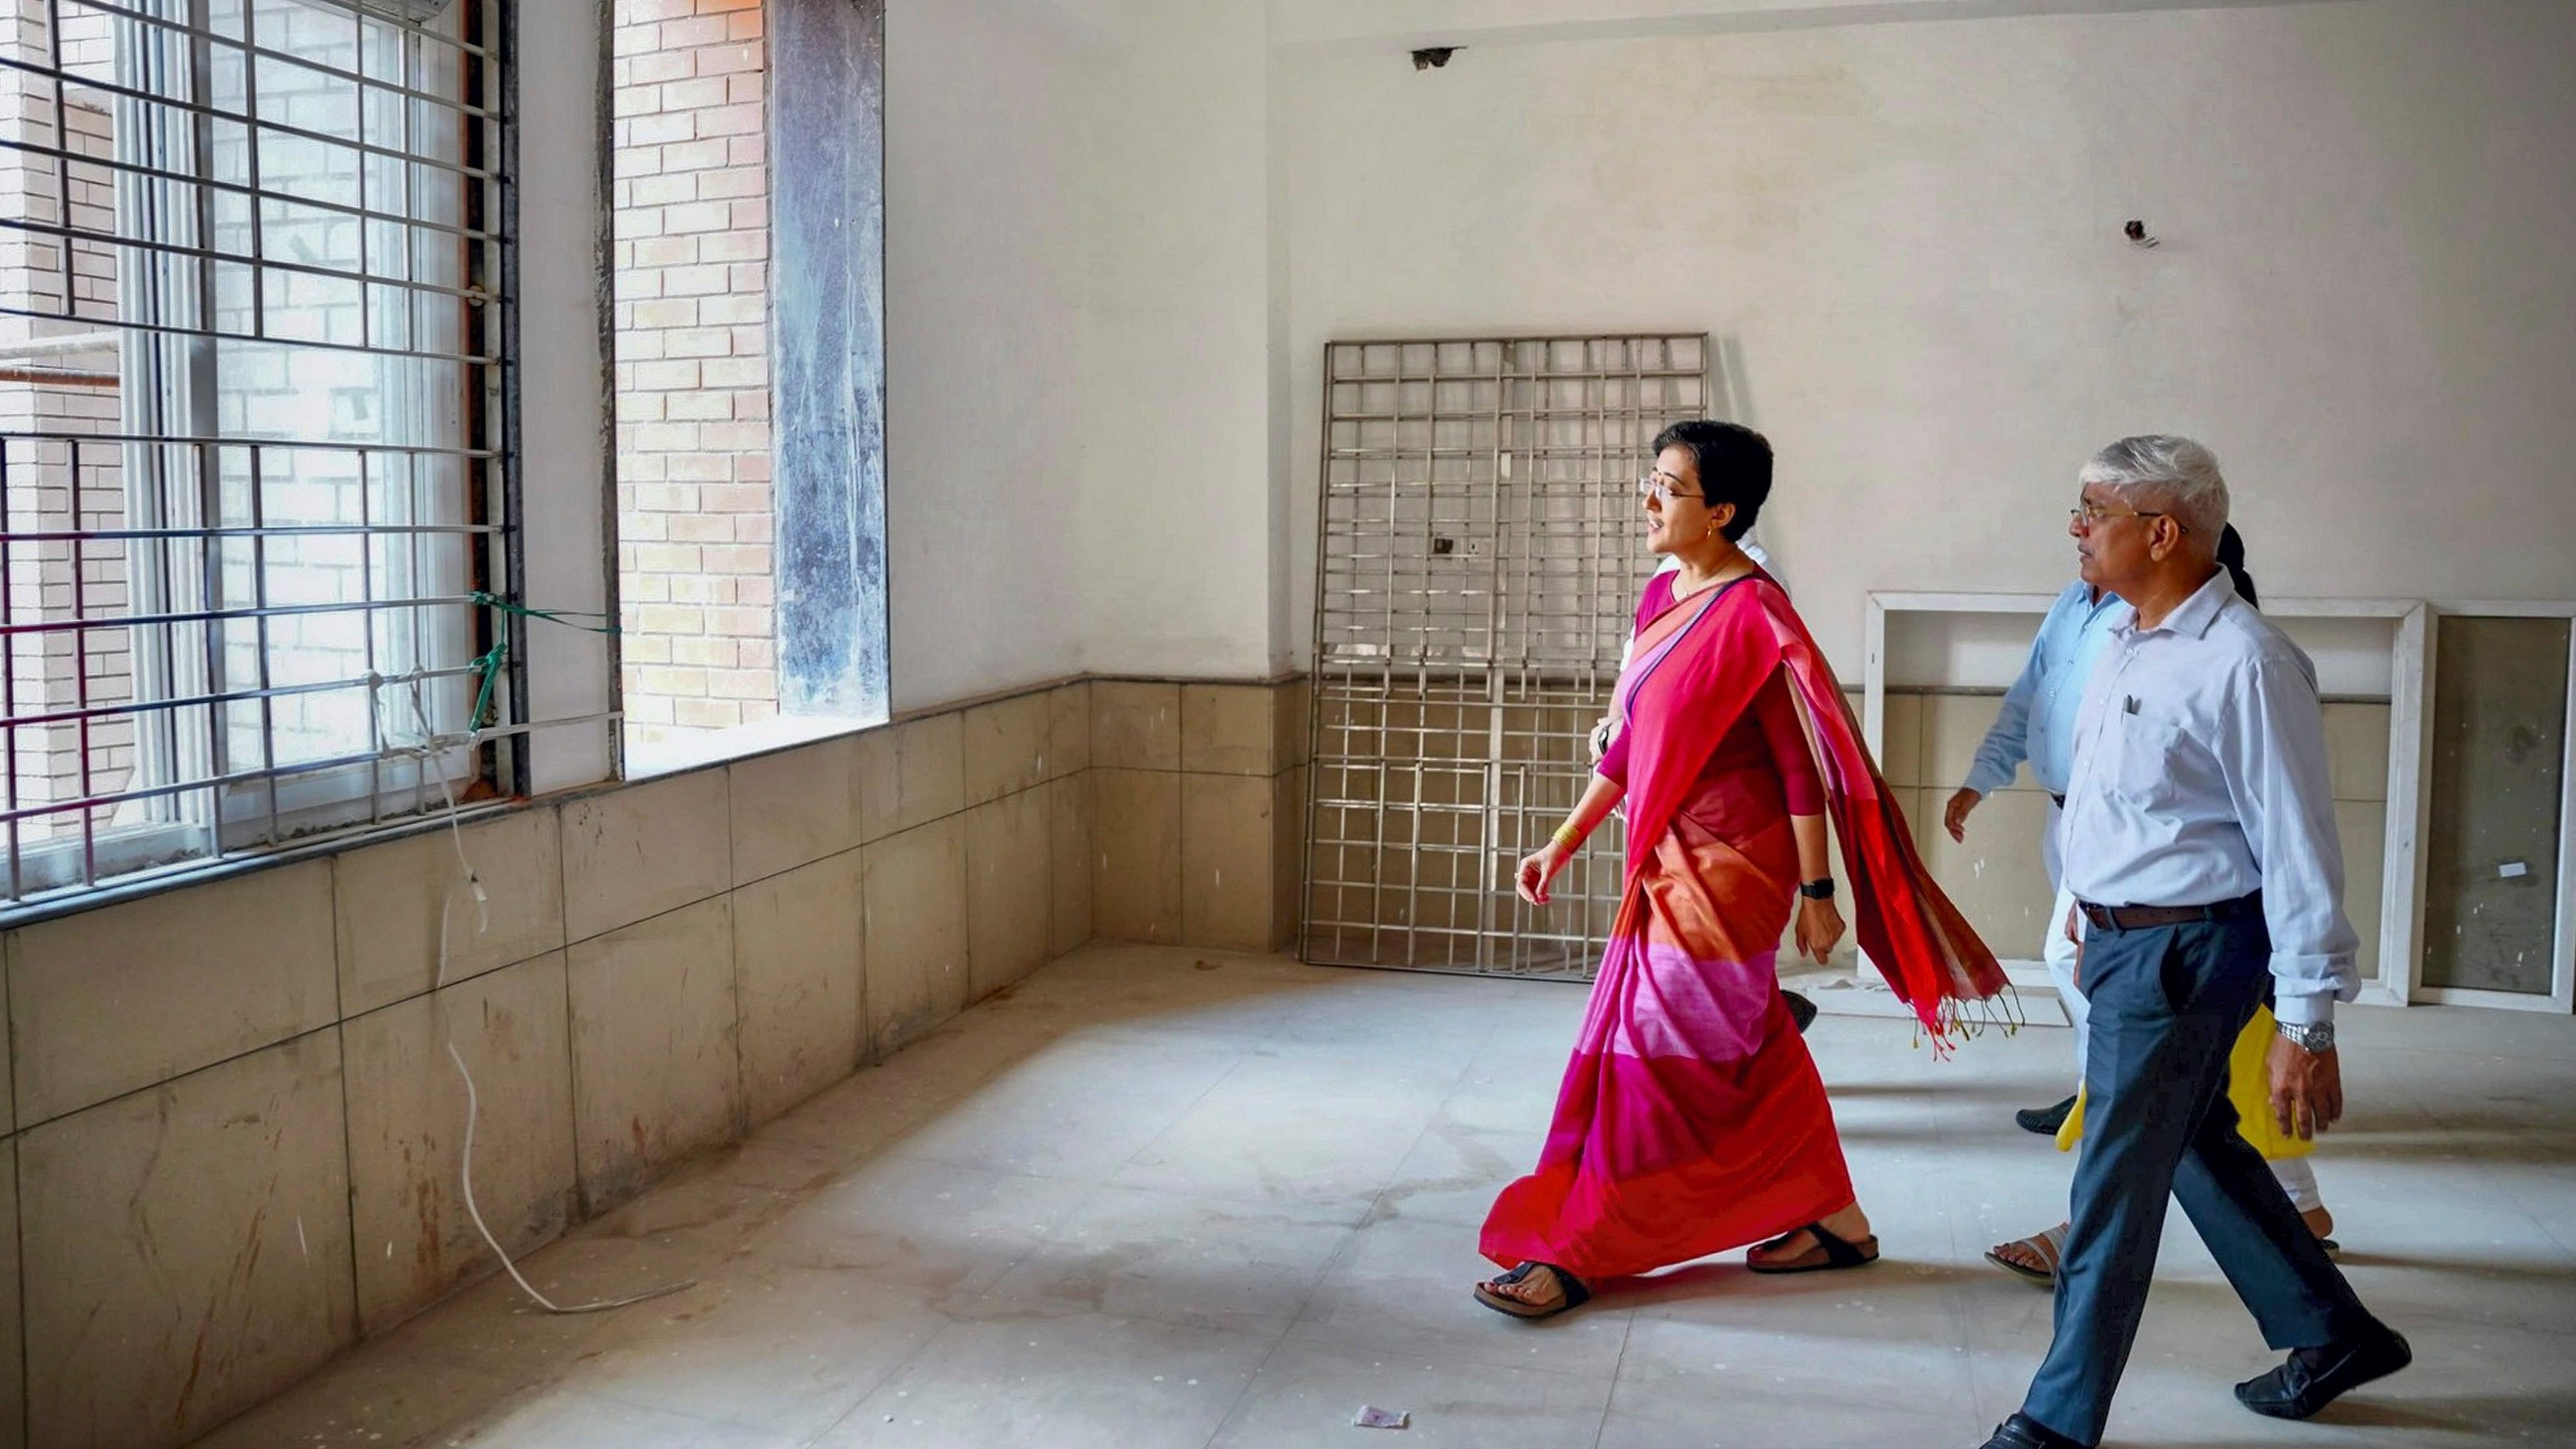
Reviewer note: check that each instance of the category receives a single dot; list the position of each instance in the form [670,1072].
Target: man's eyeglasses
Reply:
[2094,515]
[1654,486]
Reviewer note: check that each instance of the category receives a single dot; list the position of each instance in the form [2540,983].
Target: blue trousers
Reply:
[2167,1005]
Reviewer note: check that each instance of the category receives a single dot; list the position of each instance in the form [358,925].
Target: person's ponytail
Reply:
[2231,556]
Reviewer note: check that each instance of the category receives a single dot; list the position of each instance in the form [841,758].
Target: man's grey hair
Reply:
[2161,473]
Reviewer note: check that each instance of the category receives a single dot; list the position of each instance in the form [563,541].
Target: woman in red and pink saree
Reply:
[1691,1119]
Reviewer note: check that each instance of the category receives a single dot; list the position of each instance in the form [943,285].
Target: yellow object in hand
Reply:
[2249,1091]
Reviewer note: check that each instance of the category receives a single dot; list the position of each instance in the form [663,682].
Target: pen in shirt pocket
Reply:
[2129,704]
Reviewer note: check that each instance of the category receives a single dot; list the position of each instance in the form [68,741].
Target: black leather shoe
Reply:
[1801,1010]
[2044,1120]
[2316,1377]
[2020,1432]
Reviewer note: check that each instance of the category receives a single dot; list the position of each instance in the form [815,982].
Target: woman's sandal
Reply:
[1572,1293]
[2048,1247]
[1830,1252]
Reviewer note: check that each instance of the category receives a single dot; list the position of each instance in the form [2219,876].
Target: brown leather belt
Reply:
[2140,918]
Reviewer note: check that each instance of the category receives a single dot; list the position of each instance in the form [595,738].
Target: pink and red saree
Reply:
[1691,1118]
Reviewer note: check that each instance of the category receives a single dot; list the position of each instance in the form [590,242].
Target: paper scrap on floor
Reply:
[1373,1417]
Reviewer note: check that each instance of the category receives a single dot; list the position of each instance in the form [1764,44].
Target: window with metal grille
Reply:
[253,424]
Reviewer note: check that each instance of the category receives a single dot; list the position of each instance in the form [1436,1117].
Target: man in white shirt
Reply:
[2199,840]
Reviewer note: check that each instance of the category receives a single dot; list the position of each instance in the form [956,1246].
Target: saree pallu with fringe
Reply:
[1691,1118]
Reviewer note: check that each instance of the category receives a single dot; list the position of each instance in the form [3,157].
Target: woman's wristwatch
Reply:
[1817,890]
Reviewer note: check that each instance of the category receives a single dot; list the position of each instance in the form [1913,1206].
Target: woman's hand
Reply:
[1820,926]
[1537,869]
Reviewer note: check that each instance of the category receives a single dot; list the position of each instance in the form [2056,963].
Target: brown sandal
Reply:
[1575,1295]
[1830,1252]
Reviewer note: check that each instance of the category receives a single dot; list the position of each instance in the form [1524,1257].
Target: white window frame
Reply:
[2561,996]
[2392,979]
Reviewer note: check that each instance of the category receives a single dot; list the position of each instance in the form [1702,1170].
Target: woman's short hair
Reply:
[1733,463]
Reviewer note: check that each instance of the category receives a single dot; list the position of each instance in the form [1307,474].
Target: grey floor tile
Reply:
[1088,1382]
[929,1228]
[1454,1172]
[1317,1381]
[374,1397]
[789,1350]
[1312,1131]
[1752,1384]
[1409,1285]
[559,1418]
[1077,1109]
[1165,1258]
[1146,1166]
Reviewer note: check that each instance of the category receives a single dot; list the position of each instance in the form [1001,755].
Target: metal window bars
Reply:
[254,425]
[1479,552]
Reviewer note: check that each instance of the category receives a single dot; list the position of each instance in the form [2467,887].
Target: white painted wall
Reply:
[1911,230]
[988,160]
[563,463]
[1179,534]
[1078,325]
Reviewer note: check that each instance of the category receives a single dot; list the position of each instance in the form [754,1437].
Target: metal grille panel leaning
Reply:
[1478,557]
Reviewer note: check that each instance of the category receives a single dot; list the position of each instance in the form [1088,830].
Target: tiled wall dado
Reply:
[235,1126]
[1200,793]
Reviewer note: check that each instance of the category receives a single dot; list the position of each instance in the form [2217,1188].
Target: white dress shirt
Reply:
[2200,776]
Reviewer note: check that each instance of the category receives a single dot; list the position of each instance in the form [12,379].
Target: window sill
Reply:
[678,752]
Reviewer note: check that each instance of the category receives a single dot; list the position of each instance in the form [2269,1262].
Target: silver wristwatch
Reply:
[2315,1036]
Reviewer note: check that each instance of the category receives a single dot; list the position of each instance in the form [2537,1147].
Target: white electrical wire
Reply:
[541,1300]
[427,753]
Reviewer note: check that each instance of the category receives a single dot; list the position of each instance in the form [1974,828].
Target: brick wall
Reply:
[51,483]
[692,317]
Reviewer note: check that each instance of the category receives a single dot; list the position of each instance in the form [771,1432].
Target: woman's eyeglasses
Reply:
[1654,486]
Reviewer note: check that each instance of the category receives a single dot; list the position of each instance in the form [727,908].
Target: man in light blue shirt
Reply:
[2037,723]
[2037,720]
[2199,839]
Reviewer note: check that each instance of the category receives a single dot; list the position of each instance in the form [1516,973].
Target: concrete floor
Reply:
[1163,1198]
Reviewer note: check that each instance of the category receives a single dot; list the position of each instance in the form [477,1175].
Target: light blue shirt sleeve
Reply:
[2007,742]
[2273,755]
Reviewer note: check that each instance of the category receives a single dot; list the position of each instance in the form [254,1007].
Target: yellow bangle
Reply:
[1567,836]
